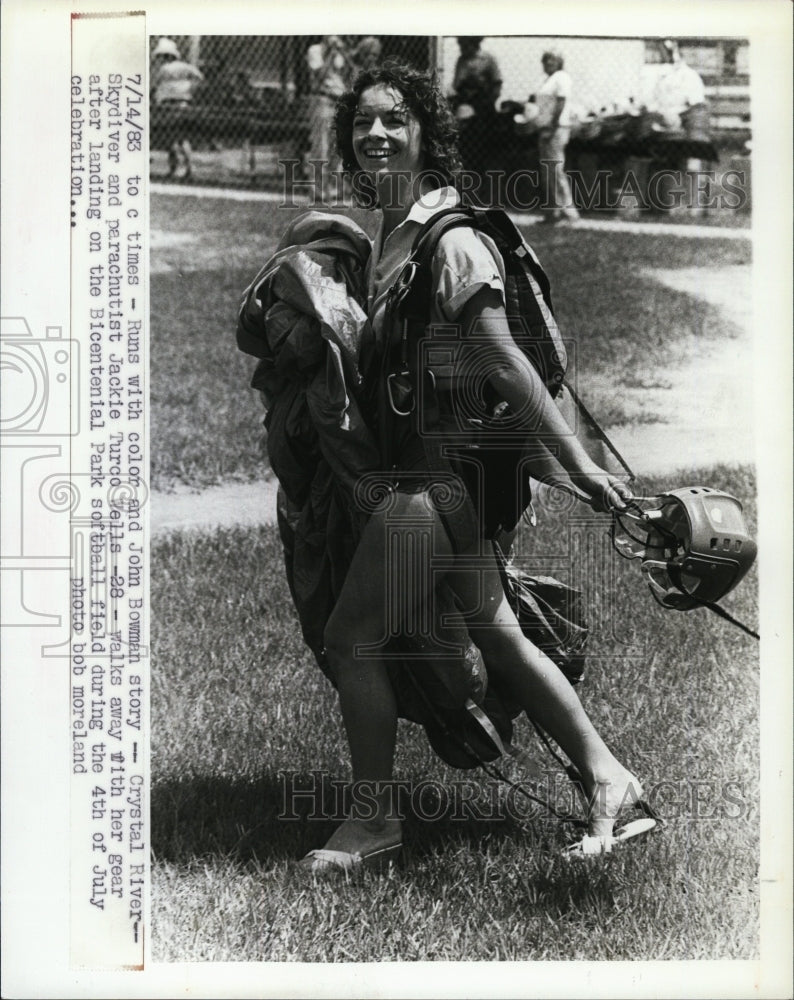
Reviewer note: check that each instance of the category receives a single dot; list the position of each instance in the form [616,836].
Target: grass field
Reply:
[237,700]
[205,420]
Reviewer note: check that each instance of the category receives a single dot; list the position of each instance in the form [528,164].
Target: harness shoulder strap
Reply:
[415,281]
[497,221]
[418,271]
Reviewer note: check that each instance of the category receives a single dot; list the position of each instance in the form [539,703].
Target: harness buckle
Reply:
[400,390]
[402,285]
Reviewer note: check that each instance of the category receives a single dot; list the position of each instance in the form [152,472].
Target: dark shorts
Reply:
[489,478]
[453,493]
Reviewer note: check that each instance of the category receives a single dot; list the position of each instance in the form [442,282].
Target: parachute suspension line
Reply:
[545,741]
[490,769]
[600,431]
[642,515]
[667,535]
[570,770]
[640,541]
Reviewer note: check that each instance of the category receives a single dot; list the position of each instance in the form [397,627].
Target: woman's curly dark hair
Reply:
[423,98]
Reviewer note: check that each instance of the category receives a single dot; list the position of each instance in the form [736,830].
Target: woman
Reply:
[396,139]
[554,121]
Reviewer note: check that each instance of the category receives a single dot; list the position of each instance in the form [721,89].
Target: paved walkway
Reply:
[243,504]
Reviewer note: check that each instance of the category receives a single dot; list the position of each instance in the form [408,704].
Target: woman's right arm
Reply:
[515,380]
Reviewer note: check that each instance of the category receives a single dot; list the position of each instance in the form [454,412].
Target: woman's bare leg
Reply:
[541,689]
[367,701]
[366,698]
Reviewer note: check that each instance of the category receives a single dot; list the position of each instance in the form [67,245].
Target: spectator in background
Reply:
[367,53]
[239,92]
[330,72]
[476,86]
[554,130]
[173,79]
[680,98]
[213,89]
[477,81]
[679,90]
[173,82]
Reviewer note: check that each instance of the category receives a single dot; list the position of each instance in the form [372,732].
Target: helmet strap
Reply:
[724,614]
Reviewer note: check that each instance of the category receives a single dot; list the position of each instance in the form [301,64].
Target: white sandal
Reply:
[325,860]
[589,846]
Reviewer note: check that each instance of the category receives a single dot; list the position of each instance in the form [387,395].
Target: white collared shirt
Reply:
[558,84]
[465,261]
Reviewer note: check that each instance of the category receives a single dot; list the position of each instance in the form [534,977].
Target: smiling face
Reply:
[387,137]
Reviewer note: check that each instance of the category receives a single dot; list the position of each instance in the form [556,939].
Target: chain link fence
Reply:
[256,111]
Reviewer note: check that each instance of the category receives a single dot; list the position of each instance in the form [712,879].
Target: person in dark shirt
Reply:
[476,85]
[477,81]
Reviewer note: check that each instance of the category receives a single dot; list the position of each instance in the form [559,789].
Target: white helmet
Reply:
[166,47]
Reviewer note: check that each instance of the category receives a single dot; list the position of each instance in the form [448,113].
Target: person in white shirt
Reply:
[554,130]
[680,97]
[678,89]
[330,69]
[173,82]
